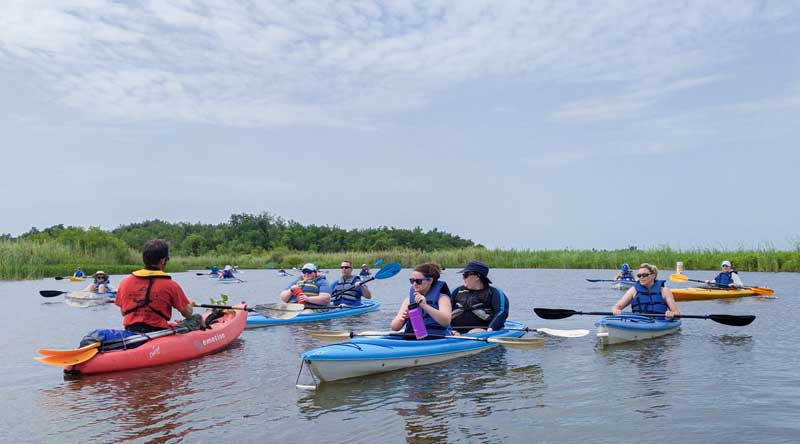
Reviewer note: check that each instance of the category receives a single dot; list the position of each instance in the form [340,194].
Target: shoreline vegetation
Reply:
[268,241]
[28,259]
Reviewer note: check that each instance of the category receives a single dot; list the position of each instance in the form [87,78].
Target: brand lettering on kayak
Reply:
[213,339]
[154,352]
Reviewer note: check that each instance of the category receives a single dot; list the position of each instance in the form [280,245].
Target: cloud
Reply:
[351,64]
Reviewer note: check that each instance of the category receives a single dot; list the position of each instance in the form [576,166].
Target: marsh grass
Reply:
[38,259]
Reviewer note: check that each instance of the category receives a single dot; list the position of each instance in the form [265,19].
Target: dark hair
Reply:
[429,269]
[349,262]
[153,251]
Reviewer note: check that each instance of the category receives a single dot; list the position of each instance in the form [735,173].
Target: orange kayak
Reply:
[168,349]
[705,294]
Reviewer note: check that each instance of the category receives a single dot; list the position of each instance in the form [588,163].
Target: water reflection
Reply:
[431,399]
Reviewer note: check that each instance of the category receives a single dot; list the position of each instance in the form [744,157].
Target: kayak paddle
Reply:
[761,291]
[561,313]
[610,280]
[377,263]
[51,293]
[521,343]
[277,310]
[579,333]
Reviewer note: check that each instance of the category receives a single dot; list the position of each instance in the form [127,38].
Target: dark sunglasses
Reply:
[345,267]
[468,274]
[642,275]
[306,271]
[418,281]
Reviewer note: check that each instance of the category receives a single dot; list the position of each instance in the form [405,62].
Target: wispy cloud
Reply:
[341,63]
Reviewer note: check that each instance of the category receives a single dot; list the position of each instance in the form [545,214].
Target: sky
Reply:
[516,124]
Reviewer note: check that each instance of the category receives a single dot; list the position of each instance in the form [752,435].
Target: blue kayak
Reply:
[368,355]
[255,320]
[632,327]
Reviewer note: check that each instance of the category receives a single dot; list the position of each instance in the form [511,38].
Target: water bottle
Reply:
[417,324]
[679,267]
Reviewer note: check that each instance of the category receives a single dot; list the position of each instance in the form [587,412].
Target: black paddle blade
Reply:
[736,321]
[554,313]
[58,278]
[51,293]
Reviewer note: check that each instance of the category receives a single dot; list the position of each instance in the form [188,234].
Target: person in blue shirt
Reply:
[310,288]
[214,271]
[101,283]
[348,289]
[227,273]
[78,273]
[728,278]
[624,274]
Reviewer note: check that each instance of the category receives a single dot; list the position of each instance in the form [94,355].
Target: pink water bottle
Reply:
[417,324]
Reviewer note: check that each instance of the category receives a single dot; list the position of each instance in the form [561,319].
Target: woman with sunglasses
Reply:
[433,297]
[728,278]
[648,295]
[101,283]
[477,306]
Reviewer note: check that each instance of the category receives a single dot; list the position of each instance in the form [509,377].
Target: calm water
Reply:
[711,383]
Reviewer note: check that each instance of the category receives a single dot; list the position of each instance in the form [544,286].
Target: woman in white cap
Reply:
[728,278]
[101,283]
[310,288]
[227,273]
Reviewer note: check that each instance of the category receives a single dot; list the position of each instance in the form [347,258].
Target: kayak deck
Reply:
[255,320]
[83,299]
[705,294]
[369,355]
[631,327]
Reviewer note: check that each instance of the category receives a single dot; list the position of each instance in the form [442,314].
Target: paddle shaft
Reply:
[734,320]
[610,280]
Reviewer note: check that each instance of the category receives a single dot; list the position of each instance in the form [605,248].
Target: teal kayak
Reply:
[255,320]
[632,327]
[368,355]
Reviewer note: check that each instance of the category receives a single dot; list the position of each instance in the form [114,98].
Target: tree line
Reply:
[247,234]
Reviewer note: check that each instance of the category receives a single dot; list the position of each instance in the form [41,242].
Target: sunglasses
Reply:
[642,275]
[345,267]
[468,274]
[726,266]
[306,271]
[418,281]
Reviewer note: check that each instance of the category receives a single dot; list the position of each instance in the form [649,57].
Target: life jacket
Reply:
[649,301]
[78,274]
[151,275]
[724,279]
[310,288]
[345,291]
[364,272]
[432,298]
[227,274]
[479,303]
[626,276]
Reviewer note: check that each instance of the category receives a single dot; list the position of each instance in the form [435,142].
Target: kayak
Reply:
[255,320]
[704,294]
[76,279]
[365,355]
[233,280]
[168,349]
[622,285]
[632,327]
[83,299]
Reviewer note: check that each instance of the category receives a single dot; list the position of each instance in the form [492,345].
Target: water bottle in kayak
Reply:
[417,324]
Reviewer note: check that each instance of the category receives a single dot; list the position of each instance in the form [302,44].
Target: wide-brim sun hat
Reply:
[478,267]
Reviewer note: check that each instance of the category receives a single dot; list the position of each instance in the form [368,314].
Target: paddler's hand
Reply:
[616,311]
[708,282]
[420,299]
[671,314]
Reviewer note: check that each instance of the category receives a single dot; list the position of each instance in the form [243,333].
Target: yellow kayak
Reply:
[704,294]
[76,279]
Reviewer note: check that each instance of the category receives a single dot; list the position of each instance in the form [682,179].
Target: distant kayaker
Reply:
[476,303]
[227,273]
[310,288]
[146,297]
[648,295]
[624,274]
[214,271]
[101,283]
[78,273]
[348,289]
[433,298]
[364,273]
[728,278]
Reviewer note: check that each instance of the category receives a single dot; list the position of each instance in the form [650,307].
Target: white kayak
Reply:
[632,327]
[83,299]
[622,285]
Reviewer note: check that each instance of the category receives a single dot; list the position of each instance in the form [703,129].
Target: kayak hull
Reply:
[622,285]
[255,320]
[705,294]
[168,349]
[630,327]
[366,356]
[76,279]
[83,299]
[230,280]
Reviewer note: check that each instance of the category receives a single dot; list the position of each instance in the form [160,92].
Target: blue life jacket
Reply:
[364,273]
[626,276]
[724,279]
[107,283]
[345,292]
[78,274]
[227,274]
[649,301]
[432,298]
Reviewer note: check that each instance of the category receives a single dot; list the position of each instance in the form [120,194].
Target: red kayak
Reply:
[168,349]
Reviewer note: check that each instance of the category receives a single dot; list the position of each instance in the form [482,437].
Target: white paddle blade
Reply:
[521,343]
[563,333]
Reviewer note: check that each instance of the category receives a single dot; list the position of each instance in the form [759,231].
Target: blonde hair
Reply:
[652,268]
